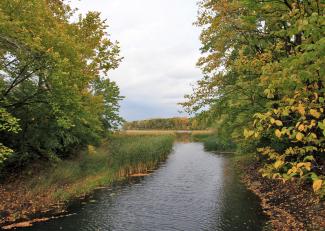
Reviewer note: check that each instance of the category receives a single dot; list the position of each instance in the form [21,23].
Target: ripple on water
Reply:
[191,191]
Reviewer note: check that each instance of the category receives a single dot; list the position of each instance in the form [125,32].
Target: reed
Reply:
[162,132]
[117,158]
[138,154]
[213,142]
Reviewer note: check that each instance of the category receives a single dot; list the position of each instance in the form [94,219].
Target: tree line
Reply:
[263,64]
[176,123]
[55,94]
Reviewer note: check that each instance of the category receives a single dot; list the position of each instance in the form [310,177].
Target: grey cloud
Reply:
[160,47]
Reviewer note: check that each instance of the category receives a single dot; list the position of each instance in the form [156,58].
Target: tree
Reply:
[264,79]
[54,78]
[175,123]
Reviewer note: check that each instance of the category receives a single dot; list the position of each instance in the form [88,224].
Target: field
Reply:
[165,132]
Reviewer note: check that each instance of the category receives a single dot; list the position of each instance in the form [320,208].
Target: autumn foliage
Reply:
[264,82]
[55,94]
[176,123]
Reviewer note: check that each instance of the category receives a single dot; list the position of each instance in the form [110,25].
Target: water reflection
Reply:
[193,190]
[183,136]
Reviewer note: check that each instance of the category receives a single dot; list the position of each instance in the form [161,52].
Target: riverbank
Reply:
[192,190]
[289,206]
[48,189]
[211,142]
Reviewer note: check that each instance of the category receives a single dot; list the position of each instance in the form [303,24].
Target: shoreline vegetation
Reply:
[288,205]
[167,132]
[44,189]
[262,91]
[174,123]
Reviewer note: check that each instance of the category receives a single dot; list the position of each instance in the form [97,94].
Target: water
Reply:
[193,190]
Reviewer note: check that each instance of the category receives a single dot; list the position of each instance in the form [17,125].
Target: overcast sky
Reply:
[160,47]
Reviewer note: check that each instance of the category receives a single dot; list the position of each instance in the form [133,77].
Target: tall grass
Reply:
[117,158]
[148,132]
[212,142]
[138,154]
[163,132]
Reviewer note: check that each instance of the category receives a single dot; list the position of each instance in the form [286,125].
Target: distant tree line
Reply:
[176,123]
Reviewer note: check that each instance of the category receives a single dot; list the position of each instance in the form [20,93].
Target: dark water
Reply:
[194,190]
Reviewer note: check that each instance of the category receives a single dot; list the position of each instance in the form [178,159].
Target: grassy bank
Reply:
[212,142]
[278,200]
[117,158]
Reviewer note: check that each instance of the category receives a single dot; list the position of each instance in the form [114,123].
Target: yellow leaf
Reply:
[308,166]
[299,136]
[299,165]
[292,170]
[91,150]
[317,185]
[314,113]
[313,123]
[278,133]
[301,109]
[278,164]
[265,175]
[301,173]
[289,151]
[301,127]
[276,176]
[248,133]
[278,123]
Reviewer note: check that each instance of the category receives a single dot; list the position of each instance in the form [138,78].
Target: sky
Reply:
[160,47]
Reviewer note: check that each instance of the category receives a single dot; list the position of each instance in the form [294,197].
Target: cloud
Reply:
[160,47]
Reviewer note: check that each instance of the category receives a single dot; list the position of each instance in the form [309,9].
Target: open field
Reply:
[165,132]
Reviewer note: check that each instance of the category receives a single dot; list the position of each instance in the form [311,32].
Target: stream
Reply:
[192,190]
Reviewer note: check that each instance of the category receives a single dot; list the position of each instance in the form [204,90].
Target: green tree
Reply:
[54,78]
[176,123]
[264,79]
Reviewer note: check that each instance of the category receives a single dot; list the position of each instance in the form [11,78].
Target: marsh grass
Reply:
[147,132]
[138,154]
[162,132]
[212,142]
[117,158]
